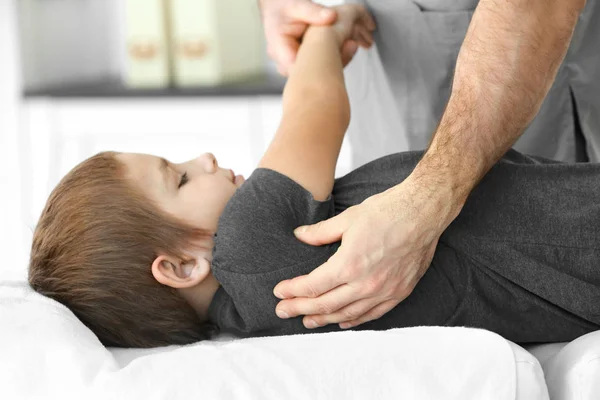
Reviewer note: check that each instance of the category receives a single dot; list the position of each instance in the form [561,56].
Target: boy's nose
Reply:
[210,162]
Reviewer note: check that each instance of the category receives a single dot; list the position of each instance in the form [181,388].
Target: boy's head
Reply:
[125,241]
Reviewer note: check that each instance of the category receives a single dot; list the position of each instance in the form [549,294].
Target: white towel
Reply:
[47,353]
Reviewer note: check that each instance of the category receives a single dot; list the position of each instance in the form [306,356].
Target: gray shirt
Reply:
[255,248]
[520,259]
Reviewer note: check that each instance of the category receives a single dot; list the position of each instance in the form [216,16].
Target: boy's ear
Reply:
[180,274]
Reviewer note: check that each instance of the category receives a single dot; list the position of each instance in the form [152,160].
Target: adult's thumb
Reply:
[348,51]
[311,13]
[323,232]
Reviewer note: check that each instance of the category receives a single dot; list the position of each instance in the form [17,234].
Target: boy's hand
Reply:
[285,22]
[354,23]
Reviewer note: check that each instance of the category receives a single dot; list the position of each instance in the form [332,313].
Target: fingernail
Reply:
[282,314]
[345,325]
[311,324]
[325,13]
[300,229]
[278,295]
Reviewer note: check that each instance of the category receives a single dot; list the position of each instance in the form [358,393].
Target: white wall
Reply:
[11,230]
[69,40]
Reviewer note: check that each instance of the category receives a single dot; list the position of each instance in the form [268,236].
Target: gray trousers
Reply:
[399,88]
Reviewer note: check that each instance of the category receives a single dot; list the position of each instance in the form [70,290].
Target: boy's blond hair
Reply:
[93,248]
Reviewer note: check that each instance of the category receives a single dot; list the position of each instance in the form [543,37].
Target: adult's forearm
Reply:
[506,65]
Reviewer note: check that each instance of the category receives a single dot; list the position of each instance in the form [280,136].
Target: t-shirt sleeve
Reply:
[255,247]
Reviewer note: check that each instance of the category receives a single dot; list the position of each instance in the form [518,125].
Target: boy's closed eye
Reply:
[183,181]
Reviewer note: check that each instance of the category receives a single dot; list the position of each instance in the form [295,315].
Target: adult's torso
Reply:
[398,89]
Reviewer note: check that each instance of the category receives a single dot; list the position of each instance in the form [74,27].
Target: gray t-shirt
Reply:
[481,275]
[255,247]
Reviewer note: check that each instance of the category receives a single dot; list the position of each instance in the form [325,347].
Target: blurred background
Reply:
[174,78]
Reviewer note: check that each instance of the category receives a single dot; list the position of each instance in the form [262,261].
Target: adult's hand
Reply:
[286,21]
[388,242]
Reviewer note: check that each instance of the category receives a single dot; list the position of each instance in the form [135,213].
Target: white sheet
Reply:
[531,383]
[47,353]
[573,373]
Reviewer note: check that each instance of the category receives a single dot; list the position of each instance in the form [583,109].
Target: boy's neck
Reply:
[201,295]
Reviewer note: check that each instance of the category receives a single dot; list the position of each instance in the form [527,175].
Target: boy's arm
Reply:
[316,113]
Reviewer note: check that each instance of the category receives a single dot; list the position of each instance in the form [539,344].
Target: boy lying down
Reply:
[149,253]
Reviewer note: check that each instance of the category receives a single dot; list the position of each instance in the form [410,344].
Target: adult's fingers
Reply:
[360,35]
[367,37]
[351,312]
[322,279]
[324,232]
[369,22]
[282,70]
[311,13]
[283,50]
[348,51]
[375,313]
[327,303]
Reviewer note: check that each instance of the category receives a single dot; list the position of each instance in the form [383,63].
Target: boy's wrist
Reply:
[322,33]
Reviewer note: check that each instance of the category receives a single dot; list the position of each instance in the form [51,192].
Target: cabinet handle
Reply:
[193,49]
[141,49]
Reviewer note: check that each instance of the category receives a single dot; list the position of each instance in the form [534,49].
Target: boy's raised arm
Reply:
[316,110]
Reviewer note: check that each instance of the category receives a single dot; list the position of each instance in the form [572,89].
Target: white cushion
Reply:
[574,372]
[545,351]
[47,353]
[530,376]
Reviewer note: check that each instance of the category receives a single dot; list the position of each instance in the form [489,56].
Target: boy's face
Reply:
[195,191]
